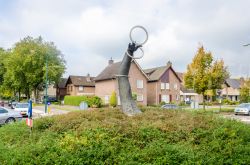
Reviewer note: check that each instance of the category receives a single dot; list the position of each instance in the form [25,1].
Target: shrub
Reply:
[162,103]
[92,101]
[134,96]
[113,99]
[229,102]
[110,137]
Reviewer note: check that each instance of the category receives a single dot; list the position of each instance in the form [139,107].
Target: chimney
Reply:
[169,63]
[242,81]
[88,77]
[111,61]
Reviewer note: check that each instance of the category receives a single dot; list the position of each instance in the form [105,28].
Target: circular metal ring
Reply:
[140,27]
[136,57]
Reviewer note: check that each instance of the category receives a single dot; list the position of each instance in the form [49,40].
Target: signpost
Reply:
[220,98]
[29,120]
[49,109]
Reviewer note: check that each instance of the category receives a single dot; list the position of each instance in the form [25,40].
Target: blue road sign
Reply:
[30,109]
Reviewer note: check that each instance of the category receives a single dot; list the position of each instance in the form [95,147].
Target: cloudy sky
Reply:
[90,32]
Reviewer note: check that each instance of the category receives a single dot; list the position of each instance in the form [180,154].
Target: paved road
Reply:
[243,118]
[39,111]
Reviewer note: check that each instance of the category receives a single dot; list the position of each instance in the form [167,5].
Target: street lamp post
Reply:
[46,85]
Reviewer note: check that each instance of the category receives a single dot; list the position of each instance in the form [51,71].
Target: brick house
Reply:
[164,85]
[61,89]
[106,82]
[231,89]
[80,85]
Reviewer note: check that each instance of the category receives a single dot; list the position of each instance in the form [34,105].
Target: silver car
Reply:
[22,108]
[170,106]
[9,116]
[243,108]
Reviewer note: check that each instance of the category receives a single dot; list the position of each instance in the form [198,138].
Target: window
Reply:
[71,88]
[139,84]
[167,85]
[175,86]
[106,99]
[3,110]
[165,98]
[177,97]
[118,100]
[80,88]
[162,85]
[139,97]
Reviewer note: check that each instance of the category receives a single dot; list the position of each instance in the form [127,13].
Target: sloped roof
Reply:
[234,83]
[185,90]
[180,75]
[156,73]
[62,83]
[81,80]
[111,71]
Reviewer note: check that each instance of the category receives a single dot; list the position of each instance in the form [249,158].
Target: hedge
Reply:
[92,101]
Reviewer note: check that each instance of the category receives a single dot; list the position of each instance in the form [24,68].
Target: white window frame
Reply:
[106,99]
[139,97]
[163,86]
[118,100]
[175,86]
[177,97]
[139,84]
[80,88]
[167,85]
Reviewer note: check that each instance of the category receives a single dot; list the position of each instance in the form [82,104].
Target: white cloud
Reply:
[90,32]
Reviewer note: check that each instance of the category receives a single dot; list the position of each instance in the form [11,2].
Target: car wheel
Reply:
[10,120]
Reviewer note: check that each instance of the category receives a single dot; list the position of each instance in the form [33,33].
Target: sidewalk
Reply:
[39,111]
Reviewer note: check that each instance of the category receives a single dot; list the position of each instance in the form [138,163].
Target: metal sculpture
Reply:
[128,104]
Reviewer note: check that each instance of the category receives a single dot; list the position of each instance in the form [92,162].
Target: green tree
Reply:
[202,74]
[113,99]
[245,92]
[26,65]
[3,56]
[4,92]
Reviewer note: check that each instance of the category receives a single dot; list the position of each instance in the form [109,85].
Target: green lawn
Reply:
[106,136]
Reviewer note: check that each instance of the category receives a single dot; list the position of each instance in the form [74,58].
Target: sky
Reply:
[90,32]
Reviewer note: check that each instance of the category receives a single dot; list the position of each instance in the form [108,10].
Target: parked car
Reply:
[22,108]
[243,108]
[13,104]
[170,106]
[8,116]
[50,99]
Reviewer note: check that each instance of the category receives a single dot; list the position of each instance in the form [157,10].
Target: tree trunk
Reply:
[128,105]
[19,94]
[203,96]
[28,93]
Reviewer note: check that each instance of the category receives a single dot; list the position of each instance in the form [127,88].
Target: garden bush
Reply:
[92,101]
[107,136]
[113,99]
